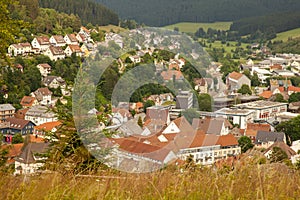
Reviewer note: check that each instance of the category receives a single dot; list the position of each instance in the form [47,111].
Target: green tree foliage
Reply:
[291,129]
[245,89]
[279,98]
[51,21]
[205,102]
[290,46]
[88,11]
[245,143]
[32,8]
[10,28]
[147,104]
[277,155]
[17,138]
[3,157]
[294,97]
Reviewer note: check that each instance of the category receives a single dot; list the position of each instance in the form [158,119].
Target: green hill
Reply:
[189,27]
[284,36]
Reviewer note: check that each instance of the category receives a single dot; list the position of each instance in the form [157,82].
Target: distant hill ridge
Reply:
[87,10]
[165,12]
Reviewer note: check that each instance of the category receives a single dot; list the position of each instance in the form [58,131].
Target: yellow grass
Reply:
[108,28]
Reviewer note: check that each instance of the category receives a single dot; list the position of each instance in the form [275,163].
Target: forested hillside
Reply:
[88,11]
[277,22]
[164,12]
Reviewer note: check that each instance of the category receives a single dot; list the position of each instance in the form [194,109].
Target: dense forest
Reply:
[277,22]
[164,12]
[88,11]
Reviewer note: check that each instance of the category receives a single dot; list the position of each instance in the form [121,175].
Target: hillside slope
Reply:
[87,10]
[164,12]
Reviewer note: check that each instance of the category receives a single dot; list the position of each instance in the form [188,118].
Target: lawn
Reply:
[189,27]
[284,36]
[108,28]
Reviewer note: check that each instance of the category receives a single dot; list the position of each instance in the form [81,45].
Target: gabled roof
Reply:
[235,75]
[59,39]
[4,107]
[266,94]
[13,149]
[48,126]
[74,48]
[43,40]
[227,140]
[211,125]
[16,123]
[27,101]
[72,37]
[45,65]
[169,74]
[265,137]
[48,80]
[42,92]
[56,51]
[27,155]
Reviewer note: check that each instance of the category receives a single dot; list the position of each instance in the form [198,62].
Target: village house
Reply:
[31,159]
[19,49]
[86,33]
[81,38]
[87,48]
[120,116]
[41,43]
[201,85]
[57,41]
[262,74]
[43,95]
[15,125]
[172,75]
[44,68]
[209,125]
[40,114]
[265,139]
[28,101]
[159,99]
[6,111]
[73,49]
[283,146]
[71,39]
[235,81]
[206,149]
[253,128]
[274,84]
[48,127]
[264,110]
[237,116]
[55,53]
[57,82]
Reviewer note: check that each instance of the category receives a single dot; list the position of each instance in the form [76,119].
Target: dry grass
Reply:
[250,181]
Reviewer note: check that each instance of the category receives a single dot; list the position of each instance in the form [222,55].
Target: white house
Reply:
[19,49]
[44,68]
[41,43]
[55,53]
[57,40]
[237,116]
[262,74]
[73,49]
[235,81]
[43,95]
[31,159]
[40,114]
[56,82]
[71,39]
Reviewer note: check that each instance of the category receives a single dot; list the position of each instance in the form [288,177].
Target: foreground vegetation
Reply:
[248,180]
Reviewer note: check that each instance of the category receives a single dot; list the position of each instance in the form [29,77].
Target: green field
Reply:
[108,28]
[284,36]
[189,27]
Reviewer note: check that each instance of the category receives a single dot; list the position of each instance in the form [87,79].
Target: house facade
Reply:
[55,53]
[40,114]
[44,68]
[15,125]
[6,111]
[235,81]
[41,43]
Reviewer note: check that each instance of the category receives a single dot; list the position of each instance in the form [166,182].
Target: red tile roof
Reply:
[227,140]
[48,126]
[168,75]
[27,101]
[235,75]
[266,94]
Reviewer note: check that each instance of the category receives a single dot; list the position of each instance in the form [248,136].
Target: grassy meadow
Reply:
[284,36]
[245,180]
[189,27]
